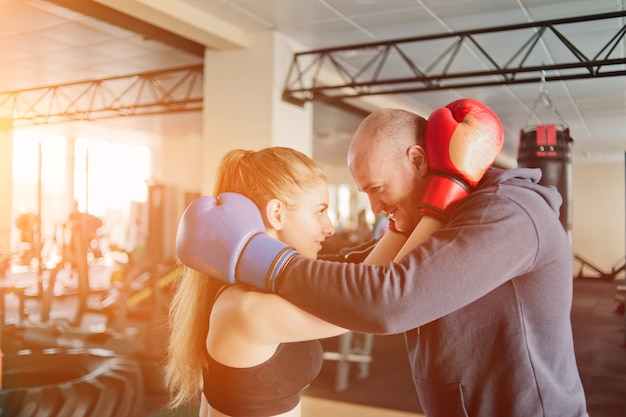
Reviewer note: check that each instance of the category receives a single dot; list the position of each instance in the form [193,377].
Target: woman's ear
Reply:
[417,154]
[274,214]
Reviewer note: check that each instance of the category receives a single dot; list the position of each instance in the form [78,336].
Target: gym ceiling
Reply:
[533,61]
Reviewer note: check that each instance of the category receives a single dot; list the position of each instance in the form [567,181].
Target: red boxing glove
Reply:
[462,140]
[391,226]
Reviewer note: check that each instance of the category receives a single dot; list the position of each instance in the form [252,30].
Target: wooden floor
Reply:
[388,391]
[599,343]
[312,407]
[316,407]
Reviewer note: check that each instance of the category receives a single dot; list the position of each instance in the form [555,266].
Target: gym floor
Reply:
[388,391]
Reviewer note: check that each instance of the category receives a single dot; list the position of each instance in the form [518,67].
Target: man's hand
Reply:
[462,140]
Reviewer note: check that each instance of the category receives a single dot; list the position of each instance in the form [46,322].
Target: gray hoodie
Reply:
[484,303]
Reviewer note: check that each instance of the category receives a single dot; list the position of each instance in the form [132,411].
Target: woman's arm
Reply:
[386,248]
[246,326]
[269,319]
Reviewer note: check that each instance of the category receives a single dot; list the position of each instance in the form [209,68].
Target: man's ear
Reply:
[274,213]
[417,154]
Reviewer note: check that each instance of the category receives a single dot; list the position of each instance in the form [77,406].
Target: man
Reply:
[387,160]
[484,302]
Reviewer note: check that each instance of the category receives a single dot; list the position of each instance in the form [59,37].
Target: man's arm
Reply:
[375,252]
[352,254]
[473,255]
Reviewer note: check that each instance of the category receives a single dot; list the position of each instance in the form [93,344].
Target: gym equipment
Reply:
[355,348]
[77,382]
[135,329]
[135,310]
[27,224]
[548,146]
[600,273]
[140,290]
[75,239]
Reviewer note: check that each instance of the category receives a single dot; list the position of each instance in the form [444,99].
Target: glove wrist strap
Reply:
[261,261]
[441,193]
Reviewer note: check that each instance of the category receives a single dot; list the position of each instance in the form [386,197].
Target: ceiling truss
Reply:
[392,67]
[156,92]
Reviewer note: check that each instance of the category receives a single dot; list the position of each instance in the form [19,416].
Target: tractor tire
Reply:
[71,382]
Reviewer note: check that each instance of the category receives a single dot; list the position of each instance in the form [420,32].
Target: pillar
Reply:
[243,105]
[70,162]
[6,182]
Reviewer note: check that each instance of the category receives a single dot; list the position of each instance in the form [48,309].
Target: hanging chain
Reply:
[544,98]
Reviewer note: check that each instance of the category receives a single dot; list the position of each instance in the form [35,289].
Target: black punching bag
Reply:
[549,147]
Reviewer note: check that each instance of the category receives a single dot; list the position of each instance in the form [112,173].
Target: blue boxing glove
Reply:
[226,239]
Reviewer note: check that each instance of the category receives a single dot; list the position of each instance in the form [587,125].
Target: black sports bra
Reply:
[270,388]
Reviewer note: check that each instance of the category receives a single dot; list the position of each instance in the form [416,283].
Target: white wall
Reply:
[6,184]
[598,213]
[242,106]
[178,166]
[178,160]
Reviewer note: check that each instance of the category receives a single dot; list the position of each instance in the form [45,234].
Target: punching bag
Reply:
[548,147]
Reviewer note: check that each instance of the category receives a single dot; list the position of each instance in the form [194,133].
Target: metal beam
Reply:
[156,92]
[405,66]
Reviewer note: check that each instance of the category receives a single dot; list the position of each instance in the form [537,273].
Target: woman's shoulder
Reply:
[240,299]
[238,292]
[237,318]
[231,295]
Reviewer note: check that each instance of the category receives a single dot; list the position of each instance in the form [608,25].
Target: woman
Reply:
[254,352]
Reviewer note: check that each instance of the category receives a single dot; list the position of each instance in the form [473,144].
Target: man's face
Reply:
[392,184]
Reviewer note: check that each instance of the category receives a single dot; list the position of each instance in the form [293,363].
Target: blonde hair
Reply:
[274,172]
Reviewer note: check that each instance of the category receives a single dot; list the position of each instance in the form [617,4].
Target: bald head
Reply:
[386,133]
[387,161]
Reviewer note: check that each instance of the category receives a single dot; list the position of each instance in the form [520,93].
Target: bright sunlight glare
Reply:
[105,175]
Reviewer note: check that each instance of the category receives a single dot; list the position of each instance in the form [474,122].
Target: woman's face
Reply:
[307,225]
